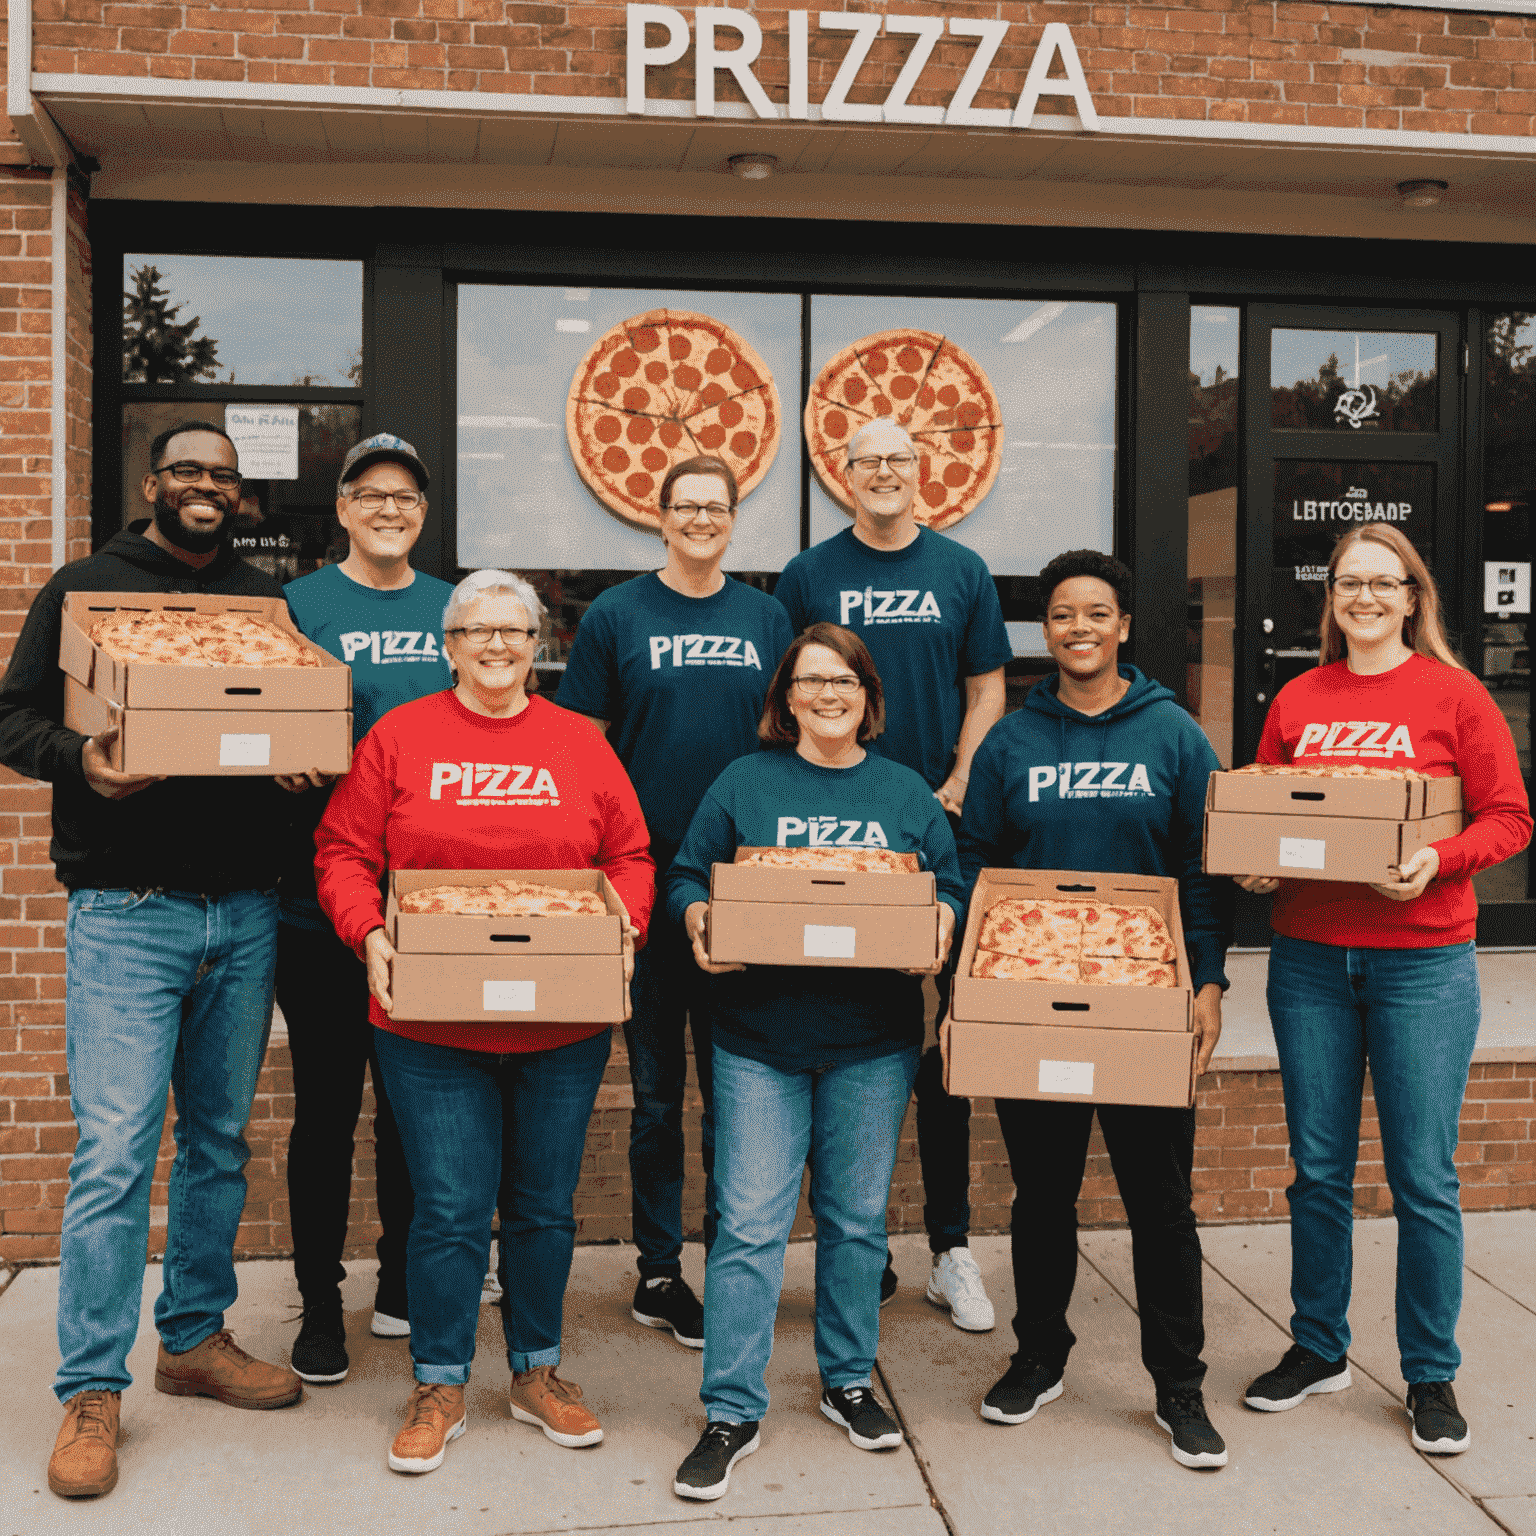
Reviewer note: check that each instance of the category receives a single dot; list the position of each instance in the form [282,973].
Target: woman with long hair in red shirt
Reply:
[1384,974]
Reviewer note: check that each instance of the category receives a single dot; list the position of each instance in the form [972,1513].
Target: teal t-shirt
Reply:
[681,681]
[798,1017]
[393,642]
[930,616]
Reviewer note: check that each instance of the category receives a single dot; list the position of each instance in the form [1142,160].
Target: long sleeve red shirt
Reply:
[1422,715]
[435,786]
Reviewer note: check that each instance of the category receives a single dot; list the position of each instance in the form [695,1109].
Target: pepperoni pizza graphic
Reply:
[659,388]
[937,392]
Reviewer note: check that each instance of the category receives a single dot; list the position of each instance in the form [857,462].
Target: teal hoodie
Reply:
[1117,793]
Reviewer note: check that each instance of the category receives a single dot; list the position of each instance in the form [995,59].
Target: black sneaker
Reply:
[1026,1387]
[320,1351]
[1299,1374]
[1438,1426]
[860,1412]
[1181,1412]
[887,1283]
[668,1302]
[706,1470]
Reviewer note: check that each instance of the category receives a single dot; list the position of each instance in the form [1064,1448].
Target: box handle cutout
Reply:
[1077,887]
[1308,794]
[1071,1007]
[242,690]
[829,882]
[511,938]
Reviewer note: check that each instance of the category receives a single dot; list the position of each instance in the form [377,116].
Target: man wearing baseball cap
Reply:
[384,619]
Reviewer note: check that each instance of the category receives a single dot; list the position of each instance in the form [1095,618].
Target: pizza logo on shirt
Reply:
[831,832]
[1354,738]
[1091,781]
[386,646]
[902,605]
[495,784]
[703,651]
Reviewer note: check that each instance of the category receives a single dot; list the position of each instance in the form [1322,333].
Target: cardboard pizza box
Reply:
[1357,849]
[1281,794]
[214,743]
[977,1000]
[147,685]
[506,970]
[1069,1066]
[764,916]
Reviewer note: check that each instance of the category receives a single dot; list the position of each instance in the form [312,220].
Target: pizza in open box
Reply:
[1016,927]
[852,861]
[992,965]
[502,898]
[1136,933]
[1108,971]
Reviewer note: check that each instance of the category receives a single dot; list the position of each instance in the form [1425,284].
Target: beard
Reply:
[168,521]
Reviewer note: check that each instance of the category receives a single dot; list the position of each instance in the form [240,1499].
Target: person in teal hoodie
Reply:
[809,1061]
[1102,770]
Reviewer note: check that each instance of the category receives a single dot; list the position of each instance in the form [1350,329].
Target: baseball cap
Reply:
[382,447]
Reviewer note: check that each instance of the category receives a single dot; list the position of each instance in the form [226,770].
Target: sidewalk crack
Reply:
[916,1448]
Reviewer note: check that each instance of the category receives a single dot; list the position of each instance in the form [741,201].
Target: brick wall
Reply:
[1332,66]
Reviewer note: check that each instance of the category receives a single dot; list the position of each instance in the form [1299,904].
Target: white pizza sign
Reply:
[715,25]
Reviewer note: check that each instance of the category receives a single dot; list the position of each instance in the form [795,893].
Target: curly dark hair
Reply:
[779,728]
[1088,562]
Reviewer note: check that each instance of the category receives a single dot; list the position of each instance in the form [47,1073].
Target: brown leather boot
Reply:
[84,1460]
[540,1397]
[433,1417]
[220,1369]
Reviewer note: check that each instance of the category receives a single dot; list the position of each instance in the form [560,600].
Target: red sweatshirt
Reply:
[1423,715]
[544,791]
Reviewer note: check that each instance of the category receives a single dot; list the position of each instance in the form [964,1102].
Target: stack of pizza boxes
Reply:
[204,720]
[1069,1038]
[774,914]
[1343,824]
[461,967]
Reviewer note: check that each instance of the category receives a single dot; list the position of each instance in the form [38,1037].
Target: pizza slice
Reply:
[450,900]
[161,639]
[1109,971]
[898,364]
[1137,933]
[857,861]
[993,965]
[1021,927]
[742,428]
[956,469]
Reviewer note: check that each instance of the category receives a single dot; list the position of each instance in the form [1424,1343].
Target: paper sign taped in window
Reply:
[825,942]
[509,996]
[1066,1077]
[244,750]
[1303,853]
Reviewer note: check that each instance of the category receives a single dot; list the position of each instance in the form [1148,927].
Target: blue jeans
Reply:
[164,989]
[847,1119]
[669,992]
[453,1108]
[1413,1015]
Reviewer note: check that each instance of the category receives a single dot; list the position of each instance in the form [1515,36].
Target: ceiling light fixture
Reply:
[754,167]
[1421,194]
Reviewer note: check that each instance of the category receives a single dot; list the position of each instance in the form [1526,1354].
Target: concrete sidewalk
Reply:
[1092,1462]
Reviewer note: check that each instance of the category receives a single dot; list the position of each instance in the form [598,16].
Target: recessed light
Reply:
[754,167]
[1421,194]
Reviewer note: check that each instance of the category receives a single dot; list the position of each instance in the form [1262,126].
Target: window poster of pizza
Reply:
[1011,404]
[560,459]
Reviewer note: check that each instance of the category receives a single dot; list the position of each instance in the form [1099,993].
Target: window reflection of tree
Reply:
[158,348]
[1405,403]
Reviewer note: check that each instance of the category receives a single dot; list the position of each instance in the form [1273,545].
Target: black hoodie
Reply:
[195,834]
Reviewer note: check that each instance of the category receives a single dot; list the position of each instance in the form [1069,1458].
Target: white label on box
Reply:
[508,996]
[829,943]
[244,751]
[1066,1077]
[1303,853]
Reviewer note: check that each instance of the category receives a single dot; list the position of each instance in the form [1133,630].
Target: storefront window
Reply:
[1043,372]
[250,320]
[1214,338]
[1352,381]
[1501,654]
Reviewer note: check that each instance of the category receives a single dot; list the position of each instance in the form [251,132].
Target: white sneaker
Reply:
[490,1287]
[956,1283]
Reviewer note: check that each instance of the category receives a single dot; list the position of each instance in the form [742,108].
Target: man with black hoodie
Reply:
[169,949]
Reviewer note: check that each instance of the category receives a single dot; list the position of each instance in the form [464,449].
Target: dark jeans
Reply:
[669,995]
[458,1110]
[322,988]
[1152,1152]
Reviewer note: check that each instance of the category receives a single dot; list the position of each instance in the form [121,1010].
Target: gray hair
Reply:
[480,584]
[880,421]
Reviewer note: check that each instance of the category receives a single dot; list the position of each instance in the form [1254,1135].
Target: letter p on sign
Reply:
[637,55]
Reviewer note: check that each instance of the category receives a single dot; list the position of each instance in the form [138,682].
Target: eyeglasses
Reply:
[186,470]
[868,463]
[809,687]
[1381,586]
[478,636]
[373,501]
[687,511]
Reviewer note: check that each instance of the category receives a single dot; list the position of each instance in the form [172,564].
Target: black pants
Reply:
[1152,1152]
[944,1150]
[322,988]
